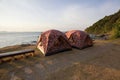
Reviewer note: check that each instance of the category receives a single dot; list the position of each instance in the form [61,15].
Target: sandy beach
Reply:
[100,62]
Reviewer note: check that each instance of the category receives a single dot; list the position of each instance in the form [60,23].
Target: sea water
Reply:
[17,38]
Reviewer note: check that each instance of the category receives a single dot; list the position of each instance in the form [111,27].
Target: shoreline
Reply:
[33,45]
[16,47]
[22,44]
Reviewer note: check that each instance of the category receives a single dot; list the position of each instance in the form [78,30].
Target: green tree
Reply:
[116,32]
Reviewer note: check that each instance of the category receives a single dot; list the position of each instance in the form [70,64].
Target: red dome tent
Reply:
[79,39]
[53,41]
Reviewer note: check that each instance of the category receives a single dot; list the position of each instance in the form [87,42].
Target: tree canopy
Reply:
[109,24]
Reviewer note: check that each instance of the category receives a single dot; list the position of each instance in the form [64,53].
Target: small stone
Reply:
[28,70]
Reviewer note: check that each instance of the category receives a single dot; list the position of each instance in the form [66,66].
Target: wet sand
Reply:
[100,62]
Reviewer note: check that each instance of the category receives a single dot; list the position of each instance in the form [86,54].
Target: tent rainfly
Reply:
[53,41]
[79,39]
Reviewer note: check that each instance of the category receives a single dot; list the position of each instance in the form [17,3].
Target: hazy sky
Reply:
[41,15]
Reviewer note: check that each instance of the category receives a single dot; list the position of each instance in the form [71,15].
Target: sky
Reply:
[41,15]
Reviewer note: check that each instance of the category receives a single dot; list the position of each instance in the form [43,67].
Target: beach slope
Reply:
[100,62]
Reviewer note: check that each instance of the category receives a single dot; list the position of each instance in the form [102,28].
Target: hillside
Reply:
[109,24]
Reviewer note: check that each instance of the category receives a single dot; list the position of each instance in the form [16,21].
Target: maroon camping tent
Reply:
[53,41]
[79,39]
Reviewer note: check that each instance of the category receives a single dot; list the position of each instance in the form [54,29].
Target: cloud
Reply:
[85,16]
[40,15]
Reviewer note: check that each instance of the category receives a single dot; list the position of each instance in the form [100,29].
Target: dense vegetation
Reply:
[107,25]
